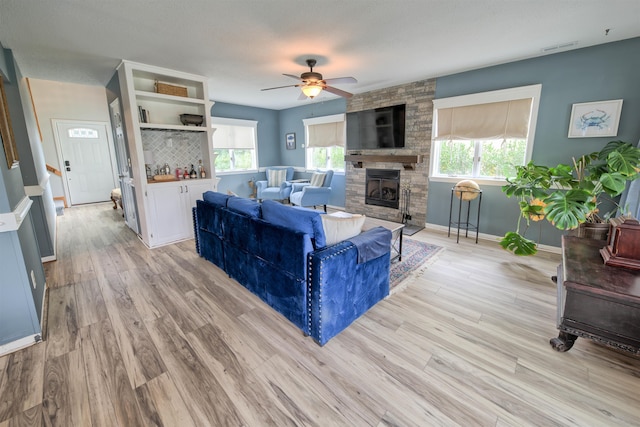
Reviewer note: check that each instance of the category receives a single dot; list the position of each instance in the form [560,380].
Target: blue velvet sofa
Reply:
[278,252]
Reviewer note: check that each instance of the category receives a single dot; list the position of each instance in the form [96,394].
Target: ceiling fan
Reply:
[312,83]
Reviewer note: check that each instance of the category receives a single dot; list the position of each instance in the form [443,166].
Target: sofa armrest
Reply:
[341,290]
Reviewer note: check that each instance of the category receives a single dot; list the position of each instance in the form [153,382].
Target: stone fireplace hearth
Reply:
[418,97]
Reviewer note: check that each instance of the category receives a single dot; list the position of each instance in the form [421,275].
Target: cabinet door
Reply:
[193,192]
[167,208]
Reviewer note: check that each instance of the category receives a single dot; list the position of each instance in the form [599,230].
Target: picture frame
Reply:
[6,130]
[290,141]
[595,119]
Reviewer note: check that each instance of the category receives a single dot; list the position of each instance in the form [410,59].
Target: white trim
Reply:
[49,258]
[19,344]
[37,190]
[232,122]
[480,181]
[532,91]
[11,221]
[492,238]
[325,119]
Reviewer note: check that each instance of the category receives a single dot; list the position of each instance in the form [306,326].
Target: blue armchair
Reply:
[277,185]
[312,194]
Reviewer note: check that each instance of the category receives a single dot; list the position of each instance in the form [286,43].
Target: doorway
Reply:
[87,160]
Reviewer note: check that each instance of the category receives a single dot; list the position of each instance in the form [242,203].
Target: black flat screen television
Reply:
[377,128]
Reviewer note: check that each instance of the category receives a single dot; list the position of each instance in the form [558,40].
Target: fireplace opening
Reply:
[383,188]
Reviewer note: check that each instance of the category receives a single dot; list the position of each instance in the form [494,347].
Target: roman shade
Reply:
[233,137]
[326,135]
[495,120]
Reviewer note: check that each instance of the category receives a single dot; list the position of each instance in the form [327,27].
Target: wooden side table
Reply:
[596,301]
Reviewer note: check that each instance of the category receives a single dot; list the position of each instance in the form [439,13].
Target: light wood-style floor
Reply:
[142,337]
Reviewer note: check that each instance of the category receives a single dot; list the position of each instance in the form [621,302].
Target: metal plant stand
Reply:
[466,225]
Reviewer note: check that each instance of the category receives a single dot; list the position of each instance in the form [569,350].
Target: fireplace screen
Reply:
[382,188]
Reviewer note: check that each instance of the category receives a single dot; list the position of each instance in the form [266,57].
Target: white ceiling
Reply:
[245,45]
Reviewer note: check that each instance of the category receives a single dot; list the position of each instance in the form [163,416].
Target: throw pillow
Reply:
[275,177]
[337,229]
[317,179]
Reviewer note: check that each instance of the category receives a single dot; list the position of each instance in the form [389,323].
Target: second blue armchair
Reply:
[314,193]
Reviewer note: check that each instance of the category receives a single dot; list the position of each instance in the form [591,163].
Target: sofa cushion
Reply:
[317,179]
[244,206]
[275,177]
[295,218]
[215,198]
[339,228]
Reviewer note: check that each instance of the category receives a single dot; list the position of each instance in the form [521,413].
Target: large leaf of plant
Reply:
[517,244]
[625,160]
[613,183]
[530,182]
[567,210]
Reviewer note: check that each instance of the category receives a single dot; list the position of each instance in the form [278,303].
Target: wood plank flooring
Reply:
[161,337]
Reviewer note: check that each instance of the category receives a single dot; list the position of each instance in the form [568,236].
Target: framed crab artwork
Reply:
[595,119]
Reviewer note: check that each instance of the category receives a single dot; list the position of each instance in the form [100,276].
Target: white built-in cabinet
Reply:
[168,203]
[164,207]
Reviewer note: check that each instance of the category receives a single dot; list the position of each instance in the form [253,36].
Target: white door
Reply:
[126,183]
[87,164]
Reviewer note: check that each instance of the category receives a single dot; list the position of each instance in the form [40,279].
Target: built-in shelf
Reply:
[408,162]
[156,126]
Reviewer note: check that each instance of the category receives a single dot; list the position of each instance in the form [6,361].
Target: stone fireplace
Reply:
[412,161]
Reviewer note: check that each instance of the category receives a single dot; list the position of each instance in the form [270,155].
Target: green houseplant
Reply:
[569,195]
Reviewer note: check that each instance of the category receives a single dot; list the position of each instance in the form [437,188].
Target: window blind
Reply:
[233,137]
[326,134]
[495,120]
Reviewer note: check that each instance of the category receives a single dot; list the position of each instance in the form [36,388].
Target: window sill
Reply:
[480,181]
[236,172]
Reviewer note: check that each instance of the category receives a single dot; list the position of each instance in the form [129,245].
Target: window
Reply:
[235,144]
[484,135]
[83,133]
[325,139]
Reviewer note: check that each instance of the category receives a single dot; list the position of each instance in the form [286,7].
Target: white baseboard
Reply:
[489,237]
[19,344]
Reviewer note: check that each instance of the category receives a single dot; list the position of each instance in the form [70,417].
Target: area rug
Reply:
[416,257]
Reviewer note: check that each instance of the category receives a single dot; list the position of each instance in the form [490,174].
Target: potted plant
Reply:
[569,195]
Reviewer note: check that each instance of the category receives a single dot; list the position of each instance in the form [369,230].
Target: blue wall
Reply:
[603,72]
[273,125]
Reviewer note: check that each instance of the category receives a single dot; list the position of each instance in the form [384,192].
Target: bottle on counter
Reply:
[202,172]
[192,172]
[167,169]
[178,173]
[185,175]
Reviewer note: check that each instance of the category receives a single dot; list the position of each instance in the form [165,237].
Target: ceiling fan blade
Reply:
[280,87]
[292,76]
[337,91]
[341,80]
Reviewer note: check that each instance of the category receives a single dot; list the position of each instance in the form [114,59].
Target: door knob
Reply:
[66,163]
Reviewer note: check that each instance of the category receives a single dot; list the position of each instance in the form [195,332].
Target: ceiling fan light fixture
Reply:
[311,90]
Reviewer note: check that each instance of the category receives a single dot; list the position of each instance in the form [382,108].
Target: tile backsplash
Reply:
[179,149]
